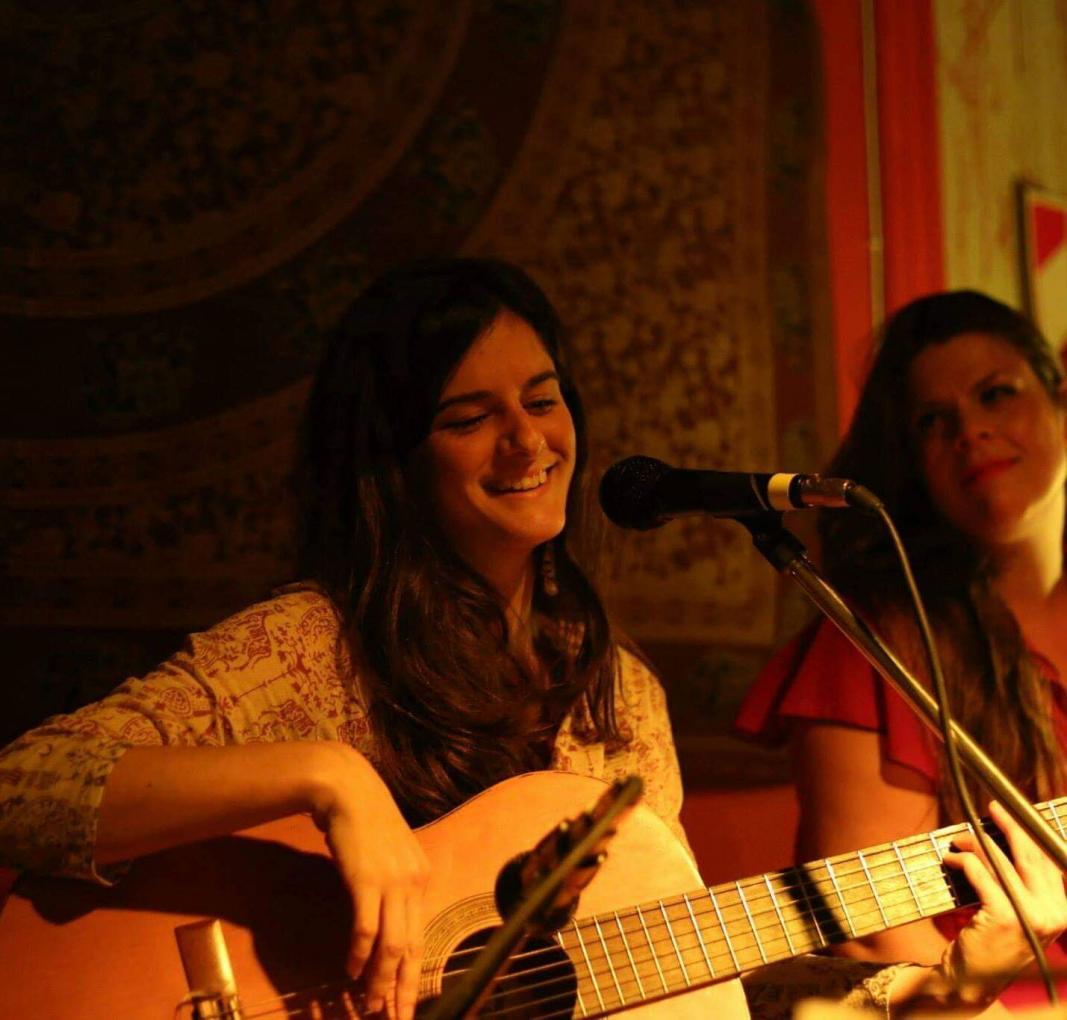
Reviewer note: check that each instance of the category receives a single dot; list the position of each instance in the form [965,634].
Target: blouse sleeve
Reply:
[861,986]
[272,672]
[821,677]
[641,710]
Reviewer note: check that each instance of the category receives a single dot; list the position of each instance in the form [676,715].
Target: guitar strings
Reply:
[676,973]
[892,857]
[672,975]
[334,992]
[758,895]
[710,954]
[711,949]
[746,939]
[718,955]
[756,892]
[685,943]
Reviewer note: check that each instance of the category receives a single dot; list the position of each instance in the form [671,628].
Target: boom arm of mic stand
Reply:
[784,551]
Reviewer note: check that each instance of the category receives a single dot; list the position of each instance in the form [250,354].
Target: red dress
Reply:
[820,676]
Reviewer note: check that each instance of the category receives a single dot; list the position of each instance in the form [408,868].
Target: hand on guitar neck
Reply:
[991,950]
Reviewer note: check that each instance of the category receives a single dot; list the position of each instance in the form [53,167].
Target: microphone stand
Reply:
[785,552]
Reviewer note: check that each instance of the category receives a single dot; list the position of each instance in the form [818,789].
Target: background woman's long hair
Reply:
[452,709]
[995,687]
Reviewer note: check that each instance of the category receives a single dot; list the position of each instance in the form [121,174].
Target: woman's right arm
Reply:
[158,797]
[250,721]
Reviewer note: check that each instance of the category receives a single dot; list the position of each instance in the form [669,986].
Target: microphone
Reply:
[643,493]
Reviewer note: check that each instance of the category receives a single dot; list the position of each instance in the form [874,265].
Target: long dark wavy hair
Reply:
[453,710]
[995,687]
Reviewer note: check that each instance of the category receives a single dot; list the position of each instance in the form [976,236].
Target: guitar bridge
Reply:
[206,961]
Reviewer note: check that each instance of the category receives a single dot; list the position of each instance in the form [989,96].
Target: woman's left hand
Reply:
[992,949]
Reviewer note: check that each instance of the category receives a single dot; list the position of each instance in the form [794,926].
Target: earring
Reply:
[549,584]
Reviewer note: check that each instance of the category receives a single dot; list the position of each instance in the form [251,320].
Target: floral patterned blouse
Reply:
[274,671]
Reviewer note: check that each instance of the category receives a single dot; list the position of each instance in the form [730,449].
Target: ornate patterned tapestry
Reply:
[193,192]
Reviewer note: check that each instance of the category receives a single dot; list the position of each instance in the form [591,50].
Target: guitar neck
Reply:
[712,934]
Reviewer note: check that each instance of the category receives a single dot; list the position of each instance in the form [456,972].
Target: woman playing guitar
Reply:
[444,639]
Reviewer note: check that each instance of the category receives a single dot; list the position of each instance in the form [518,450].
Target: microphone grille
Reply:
[628,492]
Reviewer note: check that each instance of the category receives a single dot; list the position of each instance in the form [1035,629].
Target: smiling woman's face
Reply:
[501,450]
[989,437]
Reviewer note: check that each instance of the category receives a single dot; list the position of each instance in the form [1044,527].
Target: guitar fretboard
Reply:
[627,957]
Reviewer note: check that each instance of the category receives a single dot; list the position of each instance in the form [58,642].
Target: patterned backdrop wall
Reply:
[193,192]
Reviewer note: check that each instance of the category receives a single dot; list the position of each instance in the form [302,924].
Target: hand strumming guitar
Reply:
[386,871]
[160,797]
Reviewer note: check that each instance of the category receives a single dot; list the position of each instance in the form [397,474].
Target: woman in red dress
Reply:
[960,429]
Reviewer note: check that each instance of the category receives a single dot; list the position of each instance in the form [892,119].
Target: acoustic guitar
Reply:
[649,937]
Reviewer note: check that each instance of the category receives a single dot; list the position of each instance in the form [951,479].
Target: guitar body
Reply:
[82,952]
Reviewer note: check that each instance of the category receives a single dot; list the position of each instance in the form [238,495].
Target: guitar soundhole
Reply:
[538,982]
